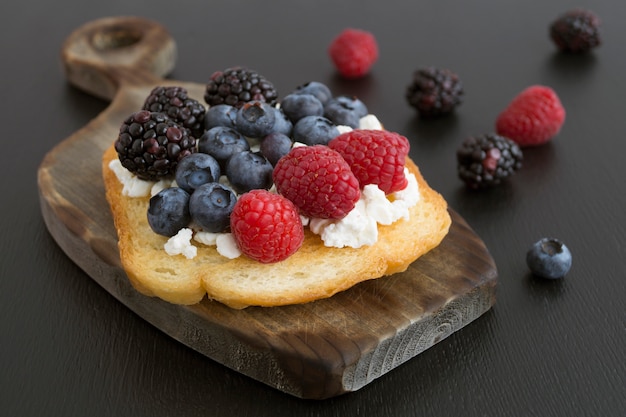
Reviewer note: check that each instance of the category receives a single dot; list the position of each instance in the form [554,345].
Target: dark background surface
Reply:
[68,348]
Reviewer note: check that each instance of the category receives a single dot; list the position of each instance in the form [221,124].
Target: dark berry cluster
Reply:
[576,31]
[486,160]
[238,85]
[434,92]
[175,102]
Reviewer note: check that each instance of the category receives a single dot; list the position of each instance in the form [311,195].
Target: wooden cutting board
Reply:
[316,350]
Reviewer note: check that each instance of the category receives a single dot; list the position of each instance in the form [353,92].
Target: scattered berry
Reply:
[375,157]
[195,170]
[210,206]
[353,52]
[266,226]
[236,86]
[486,160]
[282,124]
[346,111]
[549,258]
[297,106]
[315,88]
[222,143]
[255,119]
[314,130]
[576,31]
[249,170]
[220,115]
[177,105]
[150,145]
[318,181]
[434,92]
[274,146]
[533,117]
[168,211]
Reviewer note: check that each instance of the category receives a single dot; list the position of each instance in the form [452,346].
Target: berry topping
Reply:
[222,143]
[249,170]
[317,89]
[210,206]
[353,52]
[255,119]
[344,110]
[168,211]
[266,226]
[434,92]
[220,115]
[375,157]
[236,86]
[314,130]
[318,181]
[576,31]
[282,124]
[274,146]
[178,106]
[486,160]
[297,106]
[150,145]
[533,117]
[549,258]
[195,170]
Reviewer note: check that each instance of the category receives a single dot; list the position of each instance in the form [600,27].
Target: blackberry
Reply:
[486,160]
[150,145]
[238,85]
[434,92]
[178,106]
[576,31]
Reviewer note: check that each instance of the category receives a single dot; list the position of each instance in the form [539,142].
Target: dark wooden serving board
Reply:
[316,350]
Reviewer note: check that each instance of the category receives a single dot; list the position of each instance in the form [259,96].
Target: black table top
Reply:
[547,348]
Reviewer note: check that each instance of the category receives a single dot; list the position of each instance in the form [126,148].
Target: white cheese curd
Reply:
[227,246]
[132,186]
[180,244]
[206,238]
[370,122]
[356,229]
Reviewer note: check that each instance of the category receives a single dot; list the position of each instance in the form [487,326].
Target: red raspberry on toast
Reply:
[533,117]
[353,52]
[318,181]
[266,226]
[375,157]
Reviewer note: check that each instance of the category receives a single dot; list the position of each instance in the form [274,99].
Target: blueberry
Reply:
[220,115]
[282,124]
[168,211]
[549,258]
[314,130]
[210,206]
[222,143]
[255,119]
[297,106]
[274,146]
[196,169]
[248,171]
[316,88]
[344,110]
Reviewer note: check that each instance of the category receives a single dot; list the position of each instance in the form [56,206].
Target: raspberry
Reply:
[375,157]
[266,226]
[576,31]
[318,181]
[533,117]
[353,52]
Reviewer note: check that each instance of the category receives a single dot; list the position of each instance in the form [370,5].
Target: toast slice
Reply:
[312,273]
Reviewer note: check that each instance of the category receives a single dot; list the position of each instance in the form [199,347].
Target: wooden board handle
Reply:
[102,55]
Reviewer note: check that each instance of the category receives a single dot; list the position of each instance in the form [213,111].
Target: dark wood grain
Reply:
[315,350]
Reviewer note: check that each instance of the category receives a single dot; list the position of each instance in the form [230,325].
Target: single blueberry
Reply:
[297,106]
[316,88]
[255,119]
[196,169]
[314,130]
[220,115]
[210,206]
[282,124]
[221,143]
[549,258]
[344,110]
[248,171]
[274,146]
[168,211]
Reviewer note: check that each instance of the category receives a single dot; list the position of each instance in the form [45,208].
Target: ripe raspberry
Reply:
[375,157]
[576,31]
[318,181]
[266,226]
[533,117]
[353,52]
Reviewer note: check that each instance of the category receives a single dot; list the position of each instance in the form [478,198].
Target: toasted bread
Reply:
[312,273]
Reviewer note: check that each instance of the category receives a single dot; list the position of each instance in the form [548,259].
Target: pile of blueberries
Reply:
[309,115]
